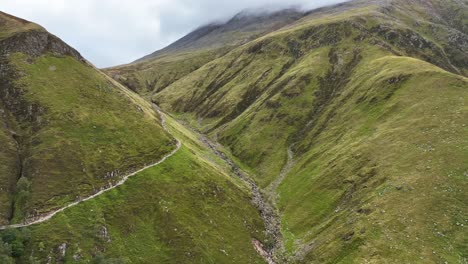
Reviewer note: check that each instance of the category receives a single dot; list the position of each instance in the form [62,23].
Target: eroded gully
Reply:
[267,210]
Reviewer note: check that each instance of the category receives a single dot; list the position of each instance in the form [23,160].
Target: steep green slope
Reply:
[225,91]
[185,210]
[369,98]
[69,130]
[9,168]
[9,165]
[382,174]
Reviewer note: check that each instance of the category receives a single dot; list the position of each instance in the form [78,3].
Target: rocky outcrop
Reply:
[35,43]
[12,97]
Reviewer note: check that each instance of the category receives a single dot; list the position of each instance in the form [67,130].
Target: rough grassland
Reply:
[371,100]
[370,97]
[185,210]
[86,131]
[392,186]
[10,25]
[155,75]
[239,97]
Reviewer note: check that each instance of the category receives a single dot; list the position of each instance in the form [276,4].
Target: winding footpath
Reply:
[48,216]
[272,189]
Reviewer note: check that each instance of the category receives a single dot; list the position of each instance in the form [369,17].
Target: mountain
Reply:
[240,29]
[159,69]
[68,128]
[336,135]
[351,119]
[68,132]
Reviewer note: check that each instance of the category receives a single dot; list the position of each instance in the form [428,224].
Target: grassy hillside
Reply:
[151,76]
[351,119]
[368,96]
[69,130]
[232,87]
[9,168]
[185,210]
[11,25]
[384,178]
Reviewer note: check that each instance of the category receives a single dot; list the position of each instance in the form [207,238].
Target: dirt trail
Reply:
[272,189]
[48,216]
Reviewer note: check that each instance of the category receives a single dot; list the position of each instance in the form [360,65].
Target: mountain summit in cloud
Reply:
[109,34]
[242,28]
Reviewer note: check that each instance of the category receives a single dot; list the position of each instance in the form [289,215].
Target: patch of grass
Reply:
[9,25]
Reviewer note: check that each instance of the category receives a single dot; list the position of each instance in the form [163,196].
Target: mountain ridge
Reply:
[240,23]
[337,137]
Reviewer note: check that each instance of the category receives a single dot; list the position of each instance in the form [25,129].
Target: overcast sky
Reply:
[113,32]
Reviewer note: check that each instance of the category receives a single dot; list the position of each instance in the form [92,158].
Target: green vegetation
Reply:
[10,25]
[73,130]
[370,98]
[68,130]
[13,244]
[5,254]
[155,75]
[8,169]
[85,132]
[155,72]
[393,181]
[185,210]
[273,80]
[22,196]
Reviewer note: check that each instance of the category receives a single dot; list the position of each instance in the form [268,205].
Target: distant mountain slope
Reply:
[369,98]
[159,69]
[240,29]
[68,130]
[223,91]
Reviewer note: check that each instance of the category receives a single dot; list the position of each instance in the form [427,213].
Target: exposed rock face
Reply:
[63,249]
[104,234]
[12,96]
[35,43]
[16,109]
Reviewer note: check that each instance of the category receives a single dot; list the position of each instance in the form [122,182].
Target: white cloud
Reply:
[112,32]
